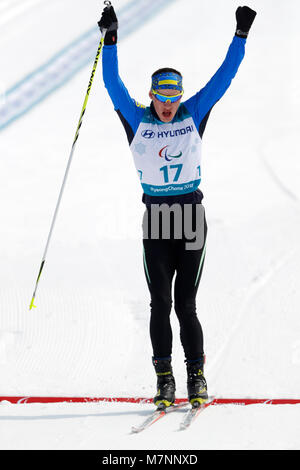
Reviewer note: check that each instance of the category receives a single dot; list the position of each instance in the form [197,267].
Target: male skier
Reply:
[165,140]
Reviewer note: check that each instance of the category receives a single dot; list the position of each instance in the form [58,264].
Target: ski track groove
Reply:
[46,79]
[257,285]
[10,10]
[275,178]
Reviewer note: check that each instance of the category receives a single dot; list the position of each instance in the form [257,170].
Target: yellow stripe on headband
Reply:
[168,82]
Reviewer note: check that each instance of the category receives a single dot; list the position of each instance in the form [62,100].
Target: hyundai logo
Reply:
[148,134]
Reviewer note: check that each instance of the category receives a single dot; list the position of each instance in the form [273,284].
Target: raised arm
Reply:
[129,111]
[202,102]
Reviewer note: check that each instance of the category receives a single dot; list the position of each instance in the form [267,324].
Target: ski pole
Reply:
[108,4]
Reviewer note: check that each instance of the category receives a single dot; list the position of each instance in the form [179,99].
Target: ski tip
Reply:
[182,427]
[135,430]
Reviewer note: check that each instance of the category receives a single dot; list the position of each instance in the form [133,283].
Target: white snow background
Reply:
[89,334]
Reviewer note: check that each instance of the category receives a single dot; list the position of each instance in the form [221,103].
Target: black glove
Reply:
[109,22]
[244,19]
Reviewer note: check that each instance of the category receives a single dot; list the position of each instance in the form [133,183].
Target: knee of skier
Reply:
[185,308]
[161,304]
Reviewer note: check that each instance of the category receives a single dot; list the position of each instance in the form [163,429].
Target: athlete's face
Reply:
[165,111]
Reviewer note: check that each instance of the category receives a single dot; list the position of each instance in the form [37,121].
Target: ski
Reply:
[193,412]
[156,415]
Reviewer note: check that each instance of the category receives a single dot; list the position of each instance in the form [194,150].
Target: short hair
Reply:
[166,70]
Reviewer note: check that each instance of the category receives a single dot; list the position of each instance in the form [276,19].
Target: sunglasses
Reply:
[166,98]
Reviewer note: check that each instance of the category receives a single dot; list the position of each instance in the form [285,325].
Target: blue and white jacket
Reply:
[167,156]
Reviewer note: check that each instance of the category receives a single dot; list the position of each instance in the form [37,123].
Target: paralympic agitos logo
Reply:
[163,153]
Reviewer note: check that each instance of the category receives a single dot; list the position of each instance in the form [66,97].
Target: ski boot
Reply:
[165,395]
[196,383]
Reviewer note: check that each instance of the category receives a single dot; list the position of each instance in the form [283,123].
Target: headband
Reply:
[166,81]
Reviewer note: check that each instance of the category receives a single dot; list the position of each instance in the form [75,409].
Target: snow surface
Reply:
[88,335]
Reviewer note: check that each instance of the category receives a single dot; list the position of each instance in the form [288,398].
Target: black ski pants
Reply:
[163,258]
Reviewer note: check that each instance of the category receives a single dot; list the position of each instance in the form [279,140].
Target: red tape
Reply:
[216,401]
